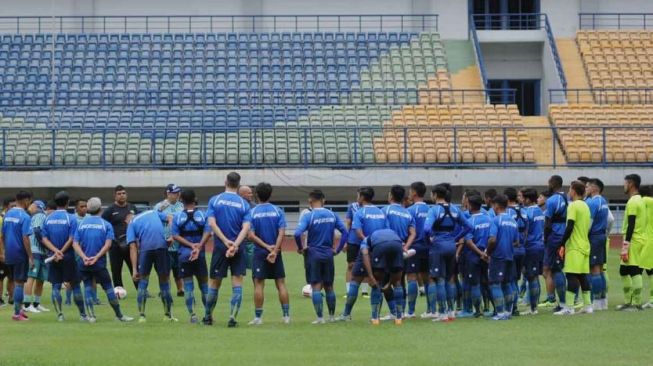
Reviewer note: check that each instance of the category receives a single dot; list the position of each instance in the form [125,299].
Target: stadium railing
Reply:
[248,97]
[252,142]
[519,21]
[219,23]
[615,20]
[477,51]
[602,96]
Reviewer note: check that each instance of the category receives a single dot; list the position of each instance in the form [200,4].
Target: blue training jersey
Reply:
[599,211]
[556,211]
[166,209]
[444,225]
[266,220]
[60,226]
[146,228]
[320,224]
[519,215]
[419,210]
[399,220]
[15,227]
[381,237]
[504,230]
[229,210]
[352,238]
[481,226]
[369,219]
[535,238]
[36,243]
[190,225]
[91,234]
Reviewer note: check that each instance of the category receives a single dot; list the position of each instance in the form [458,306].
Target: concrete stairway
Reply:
[572,64]
[542,140]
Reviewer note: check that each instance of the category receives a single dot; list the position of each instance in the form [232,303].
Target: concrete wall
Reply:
[550,78]
[513,60]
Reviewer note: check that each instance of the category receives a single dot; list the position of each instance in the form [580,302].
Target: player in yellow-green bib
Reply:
[634,241]
[576,247]
[646,260]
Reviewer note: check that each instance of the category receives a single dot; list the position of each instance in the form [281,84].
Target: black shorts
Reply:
[352,252]
[518,260]
[441,264]
[158,258]
[100,275]
[533,262]
[472,269]
[18,271]
[195,268]
[64,270]
[321,271]
[387,257]
[598,253]
[500,271]
[419,263]
[174,264]
[4,271]
[220,264]
[264,270]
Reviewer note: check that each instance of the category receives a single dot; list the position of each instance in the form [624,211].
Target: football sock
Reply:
[317,303]
[37,301]
[204,289]
[560,286]
[597,285]
[352,295]
[189,296]
[497,296]
[236,300]
[534,293]
[431,297]
[56,298]
[211,300]
[476,297]
[637,289]
[508,296]
[258,313]
[413,290]
[441,295]
[331,302]
[399,301]
[587,298]
[452,291]
[467,297]
[18,298]
[113,301]
[285,309]
[375,300]
[88,299]
[79,299]
[628,289]
[166,298]
[141,297]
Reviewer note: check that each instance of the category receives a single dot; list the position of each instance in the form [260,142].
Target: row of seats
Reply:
[584,140]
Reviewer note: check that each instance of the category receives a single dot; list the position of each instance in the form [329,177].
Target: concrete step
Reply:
[542,140]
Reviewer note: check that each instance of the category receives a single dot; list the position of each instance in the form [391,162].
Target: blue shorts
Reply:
[551,258]
[195,268]
[472,269]
[518,260]
[533,262]
[221,265]
[597,249]
[321,271]
[18,271]
[174,263]
[264,270]
[441,265]
[100,275]
[40,270]
[63,271]
[358,270]
[158,258]
[387,257]
[500,271]
[419,263]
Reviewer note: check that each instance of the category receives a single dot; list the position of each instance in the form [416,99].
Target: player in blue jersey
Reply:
[489,201]
[534,246]
[382,256]
[519,252]
[148,247]
[599,212]
[92,241]
[15,249]
[475,257]
[504,235]
[169,207]
[189,228]
[226,214]
[445,224]
[367,220]
[58,232]
[417,266]
[353,242]
[320,225]
[399,220]
[555,214]
[38,274]
[268,228]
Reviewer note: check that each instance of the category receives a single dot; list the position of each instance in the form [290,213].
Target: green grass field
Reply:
[604,338]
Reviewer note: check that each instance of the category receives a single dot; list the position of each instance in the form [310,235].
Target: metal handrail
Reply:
[602,96]
[614,20]
[477,52]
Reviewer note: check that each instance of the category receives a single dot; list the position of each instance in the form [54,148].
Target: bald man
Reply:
[248,195]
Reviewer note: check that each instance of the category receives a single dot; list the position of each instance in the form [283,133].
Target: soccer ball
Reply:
[120,292]
[307,291]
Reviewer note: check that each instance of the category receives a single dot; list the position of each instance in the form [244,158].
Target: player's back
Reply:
[519,215]
[229,210]
[382,237]
[369,219]
[443,222]
[16,223]
[59,226]
[505,231]
[579,211]
[399,220]
[535,238]
[266,220]
[419,211]
[556,210]
[636,207]
[352,237]
[37,221]
[92,233]
[648,205]
[482,224]
[147,229]
[320,224]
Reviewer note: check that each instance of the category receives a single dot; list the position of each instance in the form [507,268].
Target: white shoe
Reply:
[84,318]
[91,319]
[343,318]
[427,316]
[331,319]
[588,309]
[256,321]
[565,311]
[387,317]
[409,316]
[648,305]
[286,320]
[32,309]
[125,319]
[529,312]
[441,318]
[452,315]
[42,309]
[318,321]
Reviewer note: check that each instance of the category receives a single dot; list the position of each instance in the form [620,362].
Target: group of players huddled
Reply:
[468,261]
